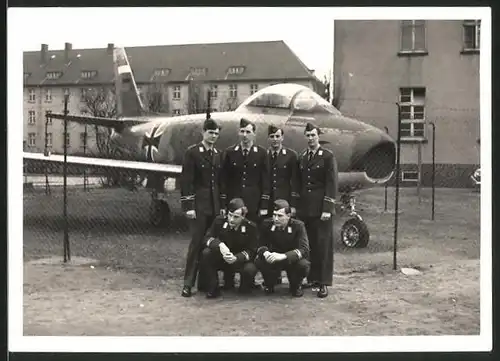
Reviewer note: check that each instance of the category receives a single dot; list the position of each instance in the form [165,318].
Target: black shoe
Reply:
[310,285]
[323,291]
[213,294]
[186,291]
[256,286]
[269,290]
[297,292]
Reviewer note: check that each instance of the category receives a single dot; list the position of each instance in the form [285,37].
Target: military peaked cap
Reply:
[280,204]
[235,204]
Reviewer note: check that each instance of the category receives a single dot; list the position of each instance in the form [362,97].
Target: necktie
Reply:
[245,152]
[275,156]
[310,155]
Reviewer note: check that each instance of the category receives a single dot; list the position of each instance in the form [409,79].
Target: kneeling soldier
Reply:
[283,246]
[231,243]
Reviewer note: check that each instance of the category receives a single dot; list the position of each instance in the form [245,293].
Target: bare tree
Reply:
[197,100]
[155,97]
[228,103]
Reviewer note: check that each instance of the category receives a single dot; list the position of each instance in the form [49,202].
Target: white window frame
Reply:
[31,95]
[176,94]
[88,74]
[49,122]
[49,140]
[48,95]
[31,117]
[68,139]
[162,72]
[407,172]
[412,27]
[476,25]
[214,90]
[31,139]
[233,91]
[176,112]
[412,103]
[254,88]
[53,75]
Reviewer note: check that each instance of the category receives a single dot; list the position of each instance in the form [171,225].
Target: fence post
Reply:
[46,152]
[433,166]
[385,185]
[396,203]
[67,255]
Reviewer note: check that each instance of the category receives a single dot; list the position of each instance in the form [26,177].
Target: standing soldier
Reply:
[200,198]
[245,173]
[283,171]
[319,182]
[283,246]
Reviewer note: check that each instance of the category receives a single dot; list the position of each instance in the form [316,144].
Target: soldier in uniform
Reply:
[245,173]
[319,182]
[231,242]
[200,198]
[283,246]
[283,170]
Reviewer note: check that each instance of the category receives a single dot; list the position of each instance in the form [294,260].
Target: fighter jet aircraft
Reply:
[155,145]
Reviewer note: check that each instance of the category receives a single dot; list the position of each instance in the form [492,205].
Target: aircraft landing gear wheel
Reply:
[160,213]
[354,233]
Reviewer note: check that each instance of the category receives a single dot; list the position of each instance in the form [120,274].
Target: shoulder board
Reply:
[255,149]
[201,149]
[320,152]
[237,148]
[283,151]
[243,229]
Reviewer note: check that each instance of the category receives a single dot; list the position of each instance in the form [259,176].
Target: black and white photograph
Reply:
[213,179]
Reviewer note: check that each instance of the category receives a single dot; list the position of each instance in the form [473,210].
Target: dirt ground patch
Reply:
[84,300]
[135,265]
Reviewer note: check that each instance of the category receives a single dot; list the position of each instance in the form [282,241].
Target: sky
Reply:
[309,34]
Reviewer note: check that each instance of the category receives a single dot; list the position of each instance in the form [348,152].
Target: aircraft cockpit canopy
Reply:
[291,97]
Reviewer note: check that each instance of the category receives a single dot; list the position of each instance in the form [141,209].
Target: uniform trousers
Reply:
[199,227]
[294,271]
[212,261]
[320,234]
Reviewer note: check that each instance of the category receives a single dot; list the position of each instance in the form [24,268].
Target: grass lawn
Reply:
[134,286]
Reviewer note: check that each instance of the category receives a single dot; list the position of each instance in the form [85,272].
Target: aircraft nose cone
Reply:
[375,154]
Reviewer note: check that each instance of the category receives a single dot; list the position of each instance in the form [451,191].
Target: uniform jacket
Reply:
[200,180]
[318,183]
[242,242]
[283,176]
[246,179]
[291,240]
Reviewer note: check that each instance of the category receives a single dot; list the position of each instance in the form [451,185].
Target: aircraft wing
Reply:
[170,170]
[105,122]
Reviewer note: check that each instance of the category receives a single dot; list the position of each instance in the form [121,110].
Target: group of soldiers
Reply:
[255,209]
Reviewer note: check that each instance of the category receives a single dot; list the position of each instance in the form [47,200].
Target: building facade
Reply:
[171,79]
[432,69]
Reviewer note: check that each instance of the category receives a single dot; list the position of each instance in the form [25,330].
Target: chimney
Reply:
[43,53]
[111,46]
[67,52]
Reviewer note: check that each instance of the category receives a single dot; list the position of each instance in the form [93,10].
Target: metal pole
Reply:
[46,153]
[67,256]
[385,185]
[396,203]
[433,165]
[84,153]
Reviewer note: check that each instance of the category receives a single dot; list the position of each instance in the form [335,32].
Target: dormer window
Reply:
[53,75]
[198,71]
[88,74]
[236,70]
[161,72]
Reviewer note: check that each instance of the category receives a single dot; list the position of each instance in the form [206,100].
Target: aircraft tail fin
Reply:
[128,100]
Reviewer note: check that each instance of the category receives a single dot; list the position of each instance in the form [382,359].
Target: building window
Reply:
[254,88]
[49,140]
[176,112]
[233,90]
[67,139]
[83,140]
[32,95]
[198,71]
[48,95]
[31,139]
[83,94]
[53,75]
[31,117]
[177,92]
[410,176]
[413,36]
[48,119]
[161,72]
[236,70]
[88,74]
[213,91]
[412,105]
[472,30]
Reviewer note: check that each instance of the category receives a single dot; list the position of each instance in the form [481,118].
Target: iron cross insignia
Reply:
[151,143]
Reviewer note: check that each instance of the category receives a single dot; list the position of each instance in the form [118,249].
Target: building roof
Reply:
[269,60]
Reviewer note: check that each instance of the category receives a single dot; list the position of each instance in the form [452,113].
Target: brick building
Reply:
[432,69]
[232,71]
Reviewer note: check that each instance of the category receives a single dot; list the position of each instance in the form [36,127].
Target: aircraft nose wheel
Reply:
[354,233]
